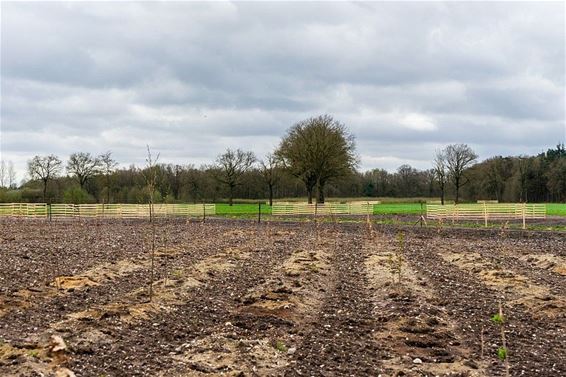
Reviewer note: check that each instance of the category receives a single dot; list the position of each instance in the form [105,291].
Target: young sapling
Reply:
[502,352]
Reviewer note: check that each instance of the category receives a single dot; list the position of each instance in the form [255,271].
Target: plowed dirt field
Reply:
[239,299]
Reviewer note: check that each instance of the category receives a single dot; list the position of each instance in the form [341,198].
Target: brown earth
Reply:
[292,299]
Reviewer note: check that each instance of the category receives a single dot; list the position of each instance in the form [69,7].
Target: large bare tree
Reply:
[458,158]
[231,165]
[44,168]
[83,166]
[440,172]
[271,173]
[316,151]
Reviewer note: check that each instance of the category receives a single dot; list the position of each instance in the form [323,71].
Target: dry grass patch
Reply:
[550,262]
[221,354]
[38,357]
[537,298]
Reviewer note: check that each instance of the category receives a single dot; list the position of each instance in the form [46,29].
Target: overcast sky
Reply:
[192,79]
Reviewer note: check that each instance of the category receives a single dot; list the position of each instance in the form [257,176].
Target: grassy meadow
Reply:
[388,206]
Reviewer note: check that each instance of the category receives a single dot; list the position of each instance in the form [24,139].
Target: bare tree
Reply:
[271,173]
[318,150]
[458,158]
[3,173]
[83,166]
[440,172]
[107,167]
[231,165]
[11,175]
[150,176]
[44,168]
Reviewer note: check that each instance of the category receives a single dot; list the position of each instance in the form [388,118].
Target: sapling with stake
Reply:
[502,351]
[482,342]
[440,223]
[334,228]
[150,176]
[315,226]
[368,220]
[164,239]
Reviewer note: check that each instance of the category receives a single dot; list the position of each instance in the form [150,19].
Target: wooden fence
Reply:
[326,209]
[487,211]
[116,211]
[23,209]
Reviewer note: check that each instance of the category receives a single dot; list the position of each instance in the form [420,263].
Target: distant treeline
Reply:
[539,178]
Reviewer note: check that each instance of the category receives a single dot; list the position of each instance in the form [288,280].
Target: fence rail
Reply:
[118,211]
[326,209]
[487,211]
[23,209]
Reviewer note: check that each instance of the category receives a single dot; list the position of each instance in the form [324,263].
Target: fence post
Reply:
[524,221]
[203,212]
[454,213]
[259,212]
[485,214]
[421,218]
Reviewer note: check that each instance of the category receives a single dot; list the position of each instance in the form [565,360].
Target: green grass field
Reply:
[250,210]
[387,207]
[556,209]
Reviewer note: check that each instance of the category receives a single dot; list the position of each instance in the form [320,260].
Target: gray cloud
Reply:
[192,79]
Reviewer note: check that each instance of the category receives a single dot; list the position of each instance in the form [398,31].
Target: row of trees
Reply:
[315,151]
[316,157]
[82,166]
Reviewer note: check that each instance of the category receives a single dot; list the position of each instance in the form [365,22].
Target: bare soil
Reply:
[278,299]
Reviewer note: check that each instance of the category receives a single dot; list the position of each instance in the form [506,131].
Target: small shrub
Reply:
[497,319]
[502,353]
[280,346]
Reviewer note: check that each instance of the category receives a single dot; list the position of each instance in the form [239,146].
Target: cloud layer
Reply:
[192,79]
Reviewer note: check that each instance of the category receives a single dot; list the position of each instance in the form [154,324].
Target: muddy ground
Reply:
[293,299]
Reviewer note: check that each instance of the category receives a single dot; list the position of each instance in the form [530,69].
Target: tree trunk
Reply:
[44,189]
[457,184]
[230,199]
[270,195]
[107,189]
[320,192]
[309,194]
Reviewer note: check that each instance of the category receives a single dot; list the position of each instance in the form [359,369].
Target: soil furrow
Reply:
[418,337]
[56,304]
[167,332]
[536,347]
[265,329]
[341,342]
[538,268]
